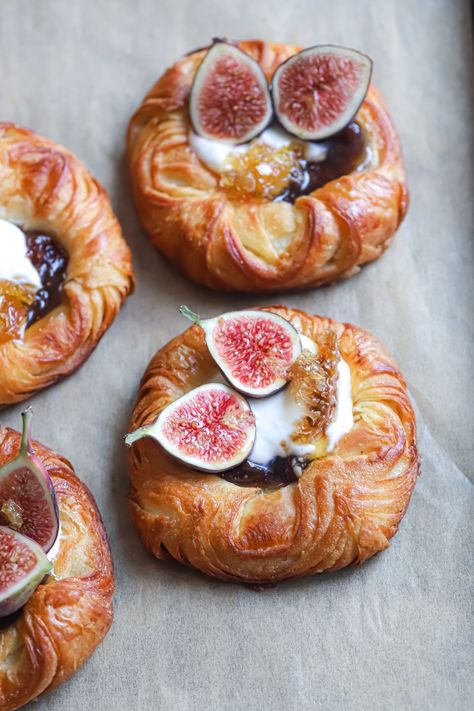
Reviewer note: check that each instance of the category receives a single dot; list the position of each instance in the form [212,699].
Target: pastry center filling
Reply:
[281,401]
[280,453]
[33,269]
[278,166]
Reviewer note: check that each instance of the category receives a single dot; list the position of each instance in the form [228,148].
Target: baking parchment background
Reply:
[397,632]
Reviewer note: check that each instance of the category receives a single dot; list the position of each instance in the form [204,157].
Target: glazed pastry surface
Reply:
[253,244]
[44,187]
[343,509]
[70,613]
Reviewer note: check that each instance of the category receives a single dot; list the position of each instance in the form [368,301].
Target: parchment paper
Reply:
[397,632]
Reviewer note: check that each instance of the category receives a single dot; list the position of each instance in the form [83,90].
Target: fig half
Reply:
[254,349]
[230,100]
[23,565]
[211,428]
[27,499]
[318,91]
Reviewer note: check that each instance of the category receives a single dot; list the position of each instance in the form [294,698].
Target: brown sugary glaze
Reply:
[256,244]
[47,190]
[70,613]
[343,509]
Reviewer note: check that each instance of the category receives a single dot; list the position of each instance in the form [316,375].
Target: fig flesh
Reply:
[27,499]
[318,91]
[23,565]
[211,428]
[230,100]
[254,349]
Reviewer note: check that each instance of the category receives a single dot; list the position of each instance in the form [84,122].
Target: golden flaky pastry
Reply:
[44,187]
[71,612]
[343,509]
[253,244]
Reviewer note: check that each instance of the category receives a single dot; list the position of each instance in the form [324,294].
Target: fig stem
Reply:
[26,446]
[136,435]
[191,315]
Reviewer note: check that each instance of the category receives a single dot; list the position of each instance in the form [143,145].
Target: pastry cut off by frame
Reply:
[254,244]
[44,187]
[344,508]
[71,611]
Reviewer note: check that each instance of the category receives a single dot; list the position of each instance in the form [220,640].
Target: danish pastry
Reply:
[320,490]
[64,266]
[70,612]
[277,212]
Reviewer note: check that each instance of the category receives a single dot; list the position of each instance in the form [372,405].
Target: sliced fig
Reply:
[230,100]
[254,349]
[318,91]
[27,499]
[23,565]
[211,428]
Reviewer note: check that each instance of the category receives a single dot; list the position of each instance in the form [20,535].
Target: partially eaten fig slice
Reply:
[230,100]
[23,565]
[211,428]
[27,499]
[254,349]
[318,91]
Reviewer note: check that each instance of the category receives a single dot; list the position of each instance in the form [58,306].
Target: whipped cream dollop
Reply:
[217,154]
[276,418]
[14,263]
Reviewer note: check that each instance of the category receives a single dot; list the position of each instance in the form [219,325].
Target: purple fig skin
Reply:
[208,326]
[27,459]
[154,431]
[20,590]
[198,84]
[329,130]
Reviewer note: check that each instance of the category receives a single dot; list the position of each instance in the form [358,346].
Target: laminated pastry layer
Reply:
[44,187]
[343,509]
[254,244]
[71,611]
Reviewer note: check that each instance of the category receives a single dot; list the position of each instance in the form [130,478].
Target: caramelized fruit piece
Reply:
[313,385]
[263,171]
[15,300]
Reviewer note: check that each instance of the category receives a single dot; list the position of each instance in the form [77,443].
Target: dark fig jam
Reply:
[10,619]
[50,261]
[280,472]
[346,152]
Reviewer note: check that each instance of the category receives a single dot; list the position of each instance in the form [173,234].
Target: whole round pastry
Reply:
[75,252]
[223,235]
[70,612]
[337,509]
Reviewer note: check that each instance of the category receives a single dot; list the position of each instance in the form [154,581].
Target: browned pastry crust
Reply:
[70,614]
[43,186]
[256,245]
[344,508]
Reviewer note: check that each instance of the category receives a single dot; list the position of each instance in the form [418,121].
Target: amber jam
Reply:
[280,472]
[21,307]
[284,174]
[50,261]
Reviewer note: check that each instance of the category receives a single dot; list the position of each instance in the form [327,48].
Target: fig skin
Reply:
[27,460]
[22,589]
[353,104]
[217,51]
[208,326]
[155,431]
